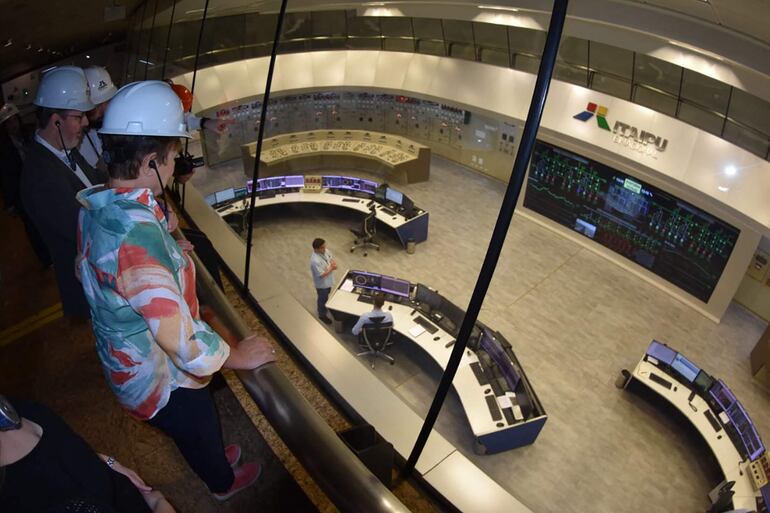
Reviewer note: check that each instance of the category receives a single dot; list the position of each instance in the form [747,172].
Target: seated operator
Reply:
[379,301]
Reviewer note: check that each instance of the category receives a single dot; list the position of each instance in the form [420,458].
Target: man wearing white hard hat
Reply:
[157,353]
[102,90]
[54,172]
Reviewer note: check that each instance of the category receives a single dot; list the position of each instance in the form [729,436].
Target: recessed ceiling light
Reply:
[730,170]
[8,43]
[88,56]
[498,8]
[723,188]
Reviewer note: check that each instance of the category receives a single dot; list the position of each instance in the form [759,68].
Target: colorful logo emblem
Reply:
[601,115]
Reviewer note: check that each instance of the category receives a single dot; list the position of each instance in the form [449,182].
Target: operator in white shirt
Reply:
[379,301]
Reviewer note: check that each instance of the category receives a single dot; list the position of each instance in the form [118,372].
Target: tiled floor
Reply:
[574,320]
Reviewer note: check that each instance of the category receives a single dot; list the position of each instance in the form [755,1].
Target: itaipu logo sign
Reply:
[626,134]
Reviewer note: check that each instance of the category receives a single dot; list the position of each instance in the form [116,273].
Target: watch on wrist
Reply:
[9,418]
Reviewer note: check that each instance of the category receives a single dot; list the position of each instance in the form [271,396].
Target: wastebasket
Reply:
[411,245]
[622,380]
[375,452]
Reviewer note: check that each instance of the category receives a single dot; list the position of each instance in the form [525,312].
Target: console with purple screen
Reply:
[751,442]
[493,348]
[663,354]
[685,367]
[394,286]
[294,181]
[723,396]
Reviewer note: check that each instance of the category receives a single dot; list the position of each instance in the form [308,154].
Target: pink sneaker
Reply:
[245,476]
[233,454]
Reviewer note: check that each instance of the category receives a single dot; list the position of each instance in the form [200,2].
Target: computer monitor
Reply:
[722,395]
[226,195]
[394,196]
[331,182]
[368,186]
[751,442]
[660,352]
[428,296]
[211,199]
[394,286]
[379,193]
[702,382]
[294,181]
[408,205]
[492,347]
[688,370]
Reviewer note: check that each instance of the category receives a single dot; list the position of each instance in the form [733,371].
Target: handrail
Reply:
[333,466]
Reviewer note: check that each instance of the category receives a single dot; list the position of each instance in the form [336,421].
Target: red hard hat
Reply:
[185,95]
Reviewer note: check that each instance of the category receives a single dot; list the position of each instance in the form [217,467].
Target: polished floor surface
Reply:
[574,319]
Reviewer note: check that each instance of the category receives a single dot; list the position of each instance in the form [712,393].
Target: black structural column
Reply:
[501,226]
[262,116]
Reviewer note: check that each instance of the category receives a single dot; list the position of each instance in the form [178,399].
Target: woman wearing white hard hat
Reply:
[158,355]
[102,90]
[54,172]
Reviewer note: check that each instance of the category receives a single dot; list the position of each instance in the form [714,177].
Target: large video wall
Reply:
[658,231]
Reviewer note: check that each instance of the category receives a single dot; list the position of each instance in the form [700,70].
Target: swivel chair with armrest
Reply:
[375,338]
[365,236]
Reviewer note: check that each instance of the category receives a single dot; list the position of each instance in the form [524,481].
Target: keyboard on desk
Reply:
[366,299]
[425,323]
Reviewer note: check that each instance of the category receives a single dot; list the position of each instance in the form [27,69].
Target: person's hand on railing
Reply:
[250,353]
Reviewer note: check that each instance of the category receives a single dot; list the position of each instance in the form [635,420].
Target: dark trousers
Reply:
[191,420]
[323,296]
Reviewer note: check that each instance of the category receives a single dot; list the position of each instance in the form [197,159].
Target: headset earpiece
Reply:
[57,123]
[153,165]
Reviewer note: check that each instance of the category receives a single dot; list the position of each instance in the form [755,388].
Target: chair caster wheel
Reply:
[392,363]
[378,249]
[351,250]
[364,254]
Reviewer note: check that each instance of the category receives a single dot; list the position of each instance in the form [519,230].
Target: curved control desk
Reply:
[714,411]
[398,159]
[409,222]
[498,399]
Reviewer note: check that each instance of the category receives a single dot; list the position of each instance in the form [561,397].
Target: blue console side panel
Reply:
[515,436]
[416,229]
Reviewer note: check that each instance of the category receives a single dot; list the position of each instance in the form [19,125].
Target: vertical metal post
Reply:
[501,226]
[262,117]
[168,41]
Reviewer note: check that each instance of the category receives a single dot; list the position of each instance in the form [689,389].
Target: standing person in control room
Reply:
[379,301]
[54,171]
[157,354]
[102,89]
[322,267]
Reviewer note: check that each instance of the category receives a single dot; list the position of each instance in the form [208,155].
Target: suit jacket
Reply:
[48,188]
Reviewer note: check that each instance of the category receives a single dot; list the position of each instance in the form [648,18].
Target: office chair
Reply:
[365,236]
[375,338]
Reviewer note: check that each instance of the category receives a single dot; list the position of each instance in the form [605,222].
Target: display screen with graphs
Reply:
[658,231]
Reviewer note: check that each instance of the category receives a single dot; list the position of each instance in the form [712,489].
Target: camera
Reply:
[185,164]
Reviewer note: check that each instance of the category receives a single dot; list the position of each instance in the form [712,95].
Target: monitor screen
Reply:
[211,199]
[394,196]
[492,347]
[295,181]
[723,396]
[685,368]
[428,296]
[394,286]
[660,352]
[703,382]
[745,428]
[331,182]
[368,186]
[226,195]
[656,230]
[379,193]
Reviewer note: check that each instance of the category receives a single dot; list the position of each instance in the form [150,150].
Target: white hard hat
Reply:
[150,107]
[64,87]
[100,84]
[7,111]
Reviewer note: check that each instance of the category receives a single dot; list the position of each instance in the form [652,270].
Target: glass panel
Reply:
[222,40]
[526,63]
[364,43]
[159,39]
[705,91]
[184,39]
[332,43]
[611,85]
[428,28]
[655,100]
[750,110]
[398,45]
[363,26]
[573,51]
[458,30]
[431,47]
[698,117]
[140,65]
[396,26]
[611,59]
[526,41]
[657,73]
[329,23]
[571,74]
[462,51]
[258,34]
[133,43]
[747,139]
[492,36]
[296,25]
[496,57]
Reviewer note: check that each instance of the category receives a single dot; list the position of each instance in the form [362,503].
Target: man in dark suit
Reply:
[54,172]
